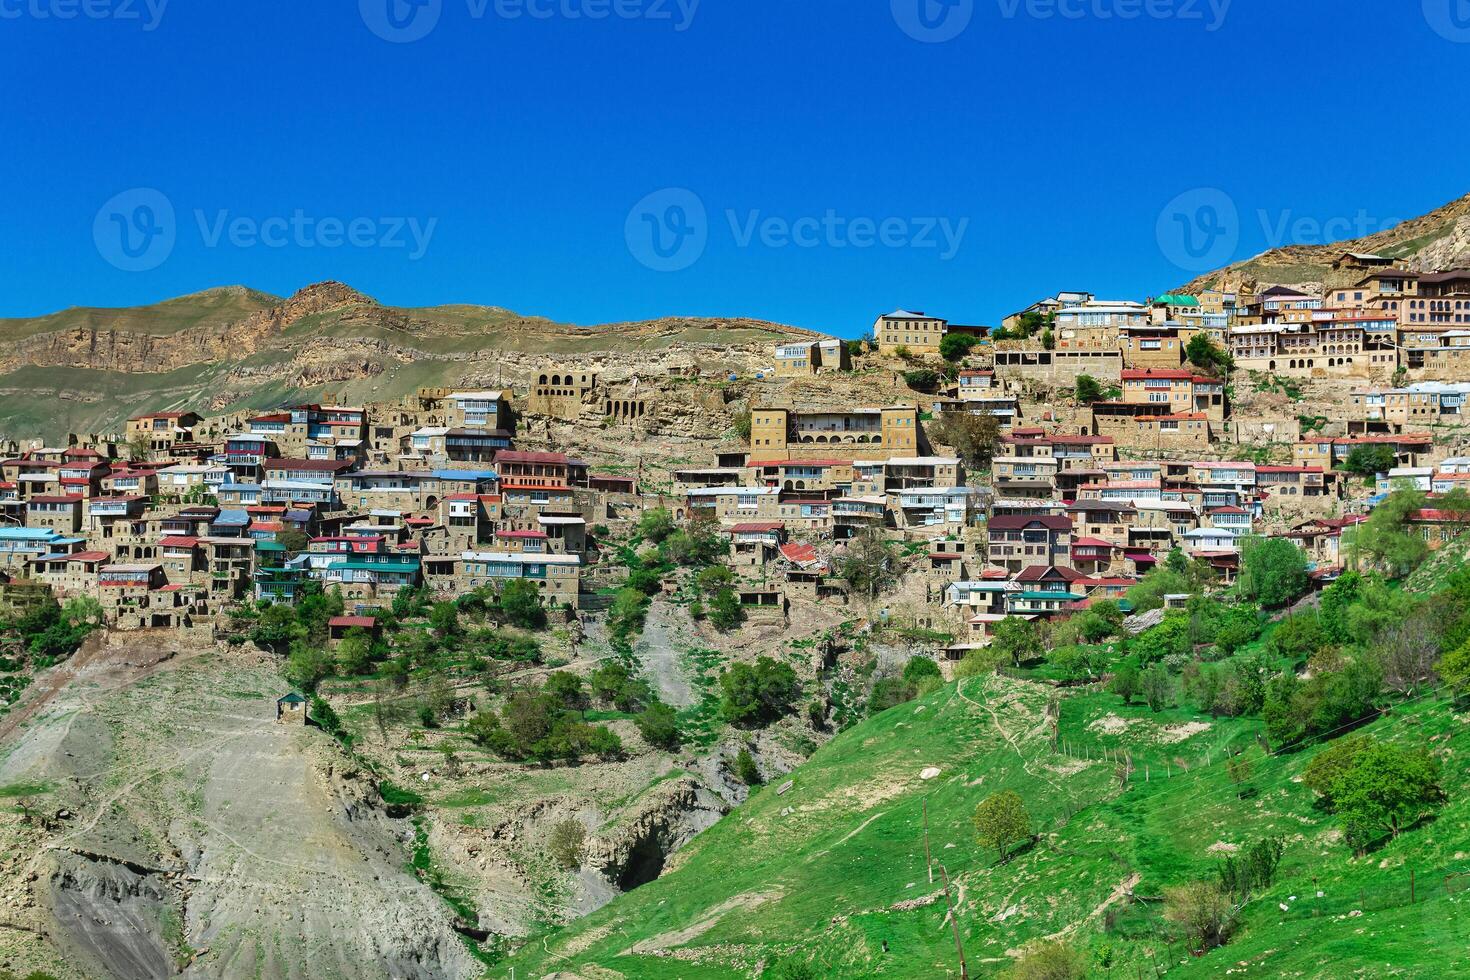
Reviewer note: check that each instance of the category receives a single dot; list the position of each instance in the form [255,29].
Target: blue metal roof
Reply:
[465,474]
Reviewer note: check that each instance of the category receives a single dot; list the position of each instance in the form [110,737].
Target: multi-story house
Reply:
[805,358]
[862,433]
[1017,541]
[917,332]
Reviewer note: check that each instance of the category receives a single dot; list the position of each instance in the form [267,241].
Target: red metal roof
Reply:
[364,622]
[757,527]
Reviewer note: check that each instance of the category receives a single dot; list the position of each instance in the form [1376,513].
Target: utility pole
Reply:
[928,861]
[954,924]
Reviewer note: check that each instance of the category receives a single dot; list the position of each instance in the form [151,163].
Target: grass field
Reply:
[834,868]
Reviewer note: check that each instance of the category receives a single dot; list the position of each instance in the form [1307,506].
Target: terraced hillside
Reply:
[87,370]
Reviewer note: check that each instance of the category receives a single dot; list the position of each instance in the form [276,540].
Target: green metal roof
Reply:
[1177,299]
[376,566]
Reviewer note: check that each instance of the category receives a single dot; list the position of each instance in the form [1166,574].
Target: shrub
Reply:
[745,768]
[759,692]
[520,603]
[725,611]
[1202,910]
[1049,960]
[565,844]
[659,726]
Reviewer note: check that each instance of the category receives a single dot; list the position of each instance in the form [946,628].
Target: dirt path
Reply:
[995,719]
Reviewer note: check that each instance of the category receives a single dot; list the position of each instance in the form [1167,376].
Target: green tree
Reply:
[1273,572]
[276,628]
[520,604]
[656,524]
[725,611]
[567,689]
[1454,669]
[1385,790]
[923,675]
[1127,682]
[565,843]
[354,653]
[444,620]
[1088,390]
[1298,637]
[659,726]
[1370,459]
[955,347]
[1206,355]
[759,692]
[308,665]
[745,768]
[1386,540]
[1017,640]
[1158,688]
[1001,820]
[293,540]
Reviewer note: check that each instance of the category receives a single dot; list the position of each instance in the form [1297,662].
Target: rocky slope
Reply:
[175,829]
[234,347]
[1436,241]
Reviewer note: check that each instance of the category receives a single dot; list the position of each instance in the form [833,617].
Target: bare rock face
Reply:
[195,836]
[637,852]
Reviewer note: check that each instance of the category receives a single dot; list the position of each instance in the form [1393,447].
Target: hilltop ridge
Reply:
[233,346]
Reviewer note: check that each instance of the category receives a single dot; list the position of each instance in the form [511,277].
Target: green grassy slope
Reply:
[834,867]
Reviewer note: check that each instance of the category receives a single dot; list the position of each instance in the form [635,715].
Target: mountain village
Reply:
[1037,512]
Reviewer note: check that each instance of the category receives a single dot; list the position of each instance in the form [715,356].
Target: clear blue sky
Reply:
[522,145]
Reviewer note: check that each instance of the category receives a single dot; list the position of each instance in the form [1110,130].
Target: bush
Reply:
[520,603]
[745,768]
[1088,389]
[659,726]
[725,611]
[565,844]
[923,380]
[758,693]
[1049,960]
[1202,910]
